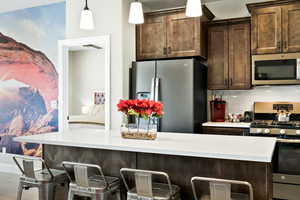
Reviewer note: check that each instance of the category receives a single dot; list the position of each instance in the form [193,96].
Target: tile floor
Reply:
[9,187]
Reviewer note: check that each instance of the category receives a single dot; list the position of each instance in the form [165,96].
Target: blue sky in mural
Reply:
[38,27]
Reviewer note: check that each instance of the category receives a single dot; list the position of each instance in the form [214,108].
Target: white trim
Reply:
[63,46]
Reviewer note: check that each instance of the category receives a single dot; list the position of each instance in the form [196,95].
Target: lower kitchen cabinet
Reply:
[225,131]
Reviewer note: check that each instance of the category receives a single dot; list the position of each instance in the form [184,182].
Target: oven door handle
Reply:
[298,69]
[291,141]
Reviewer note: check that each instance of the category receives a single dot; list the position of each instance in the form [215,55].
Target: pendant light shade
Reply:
[87,19]
[193,8]
[136,14]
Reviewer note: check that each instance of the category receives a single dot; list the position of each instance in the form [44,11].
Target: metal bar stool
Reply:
[146,189]
[46,180]
[220,189]
[96,186]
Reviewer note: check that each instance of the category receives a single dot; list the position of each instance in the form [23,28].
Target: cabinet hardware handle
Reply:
[278,44]
[230,81]
[285,44]
[165,51]
[169,50]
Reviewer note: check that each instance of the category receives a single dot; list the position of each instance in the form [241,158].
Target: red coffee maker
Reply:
[217,110]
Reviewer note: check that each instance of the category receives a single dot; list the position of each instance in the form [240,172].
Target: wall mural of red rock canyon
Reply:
[28,89]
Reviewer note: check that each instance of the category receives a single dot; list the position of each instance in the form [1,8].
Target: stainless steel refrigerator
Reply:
[180,85]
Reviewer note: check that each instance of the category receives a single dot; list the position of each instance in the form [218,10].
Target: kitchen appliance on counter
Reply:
[276,69]
[268,122]
[217,110]
[180,84]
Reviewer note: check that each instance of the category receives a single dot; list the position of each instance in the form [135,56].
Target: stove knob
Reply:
[298,132]
[259,130]
[267,131]
[282,131]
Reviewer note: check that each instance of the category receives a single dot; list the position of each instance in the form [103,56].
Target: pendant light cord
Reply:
[86,5]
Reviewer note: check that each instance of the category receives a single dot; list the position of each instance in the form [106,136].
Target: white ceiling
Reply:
[222,9]
[10,5]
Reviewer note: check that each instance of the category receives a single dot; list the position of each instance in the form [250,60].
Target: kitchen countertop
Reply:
[228,124]
[258,149]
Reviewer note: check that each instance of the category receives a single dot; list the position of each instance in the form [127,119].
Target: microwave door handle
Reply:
[152,89]
[298,69]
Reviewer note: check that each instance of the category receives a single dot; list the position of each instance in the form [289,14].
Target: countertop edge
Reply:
[263,159]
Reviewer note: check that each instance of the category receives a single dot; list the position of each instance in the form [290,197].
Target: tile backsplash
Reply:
[239,101]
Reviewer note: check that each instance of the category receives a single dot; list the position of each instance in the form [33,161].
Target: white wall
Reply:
[239,101]
[109,19]
[86,76]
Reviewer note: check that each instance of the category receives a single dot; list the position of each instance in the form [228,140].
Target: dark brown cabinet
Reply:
[229,55]
[151,39]
[275,27]
[266,30]
[225,131]
[291,28]
[170,34]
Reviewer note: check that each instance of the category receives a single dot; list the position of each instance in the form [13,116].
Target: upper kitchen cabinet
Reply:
[218,57]
[229,55]
[275,27]
[291,27]
[151,38]
[171,34]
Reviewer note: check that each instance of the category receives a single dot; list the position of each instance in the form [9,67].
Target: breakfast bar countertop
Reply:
[257,149]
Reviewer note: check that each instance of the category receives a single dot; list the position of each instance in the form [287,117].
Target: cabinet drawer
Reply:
[225,130]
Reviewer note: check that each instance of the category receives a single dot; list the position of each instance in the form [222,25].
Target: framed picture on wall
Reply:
[99,98]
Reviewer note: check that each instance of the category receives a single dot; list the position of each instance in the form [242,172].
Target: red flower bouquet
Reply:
[145,109]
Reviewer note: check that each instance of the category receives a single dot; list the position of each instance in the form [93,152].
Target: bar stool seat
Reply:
[44,176]
[96,187]
[146,189]
[160,191]
[220,189]
[46,180]
[97,184]
[234,196]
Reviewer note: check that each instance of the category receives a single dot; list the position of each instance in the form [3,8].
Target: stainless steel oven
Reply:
[286,166]
[276,69]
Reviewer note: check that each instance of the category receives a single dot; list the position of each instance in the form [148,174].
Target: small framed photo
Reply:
[99,98]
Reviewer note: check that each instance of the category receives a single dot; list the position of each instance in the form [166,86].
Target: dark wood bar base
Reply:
[180,168]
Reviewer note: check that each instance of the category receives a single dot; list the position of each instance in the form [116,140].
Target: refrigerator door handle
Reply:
[157,81]
[152,95]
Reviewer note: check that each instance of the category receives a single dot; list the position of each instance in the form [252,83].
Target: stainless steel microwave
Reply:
[276,69]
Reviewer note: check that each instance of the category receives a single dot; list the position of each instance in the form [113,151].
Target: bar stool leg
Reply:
[118,195]
[70,195]
[20,191]
[46,191]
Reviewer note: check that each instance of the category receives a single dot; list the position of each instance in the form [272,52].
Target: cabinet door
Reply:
[151,38]
[183,35]
[239,56]
[266,30]
[218,57]
[291,28]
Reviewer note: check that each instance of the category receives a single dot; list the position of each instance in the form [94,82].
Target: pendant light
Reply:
[136,14]
[87,19]
[193,8]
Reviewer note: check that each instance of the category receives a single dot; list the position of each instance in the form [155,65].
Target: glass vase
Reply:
[142,129]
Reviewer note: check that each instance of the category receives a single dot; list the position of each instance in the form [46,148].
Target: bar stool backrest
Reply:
[26,165]
[220,189]
[143,181]
[81,173]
